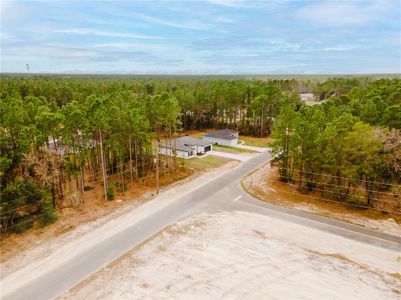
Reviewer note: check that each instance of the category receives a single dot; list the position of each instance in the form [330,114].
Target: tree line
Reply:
[60,133]
[348,148]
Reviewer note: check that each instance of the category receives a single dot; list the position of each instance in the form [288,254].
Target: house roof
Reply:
[185,143]
[191,141]
[306,96]
[226,134]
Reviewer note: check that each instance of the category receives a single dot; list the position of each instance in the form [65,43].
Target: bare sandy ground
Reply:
[263,183]
[30,263]
[239,255]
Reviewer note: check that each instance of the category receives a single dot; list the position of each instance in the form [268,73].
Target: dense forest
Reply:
[348,148]
[58,133]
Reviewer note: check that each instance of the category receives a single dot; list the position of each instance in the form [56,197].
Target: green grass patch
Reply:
[229,149]
[255,141]
[204,163]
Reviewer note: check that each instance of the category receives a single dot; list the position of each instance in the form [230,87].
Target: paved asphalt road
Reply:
[224,193]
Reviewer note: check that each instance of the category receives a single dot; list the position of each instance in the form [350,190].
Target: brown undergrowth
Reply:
[264,185]
[92,208]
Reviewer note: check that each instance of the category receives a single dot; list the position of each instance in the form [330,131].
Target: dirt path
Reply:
[239,255]
[263,184]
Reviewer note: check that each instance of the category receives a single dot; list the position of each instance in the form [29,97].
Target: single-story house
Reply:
[185,147]
[307,96]
[61,149]
[225,137]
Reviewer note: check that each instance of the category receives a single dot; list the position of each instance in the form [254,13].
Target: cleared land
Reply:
[263,184]
[238,255]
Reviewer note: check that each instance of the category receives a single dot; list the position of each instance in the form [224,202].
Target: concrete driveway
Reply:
[240,157]
[252,148]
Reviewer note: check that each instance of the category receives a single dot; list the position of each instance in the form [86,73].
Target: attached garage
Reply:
[225,137]
[185,147]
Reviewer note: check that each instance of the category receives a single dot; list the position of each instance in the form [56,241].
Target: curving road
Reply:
[223,193]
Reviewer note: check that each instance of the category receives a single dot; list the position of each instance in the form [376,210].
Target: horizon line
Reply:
[196,74]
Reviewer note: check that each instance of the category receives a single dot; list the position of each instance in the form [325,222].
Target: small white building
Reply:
[185,147]
[225,137]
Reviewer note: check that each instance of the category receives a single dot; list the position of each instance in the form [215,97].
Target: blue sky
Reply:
[201,37]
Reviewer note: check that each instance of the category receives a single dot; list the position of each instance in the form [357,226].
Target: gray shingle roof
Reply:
[226,134]
[188,140]
[184,143]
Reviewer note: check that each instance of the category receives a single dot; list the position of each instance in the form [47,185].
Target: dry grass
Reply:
[195,133]
[204,163]
[233,150]
[264,185]
[93,208]
[396,276]
[96,208]
[255,141]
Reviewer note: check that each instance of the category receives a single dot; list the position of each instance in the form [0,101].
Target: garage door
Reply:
[208,148]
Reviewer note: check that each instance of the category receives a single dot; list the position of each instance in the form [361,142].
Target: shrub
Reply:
[23,224]
[110,193]
[49,215]
[88,188]
[15,196]
[310,185]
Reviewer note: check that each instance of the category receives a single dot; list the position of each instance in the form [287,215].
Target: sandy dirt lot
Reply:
[239,255]
[263,184]
[52,247]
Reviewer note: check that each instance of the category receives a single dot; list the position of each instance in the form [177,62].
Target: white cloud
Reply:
[223,19]
[84,31]
[337,13]
[195,25]
[246,3]
[156,48]
[227,3]
[13,12]
[53,51]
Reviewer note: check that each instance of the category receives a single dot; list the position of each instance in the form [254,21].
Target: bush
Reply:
[88,188]
[16,195]
[110,193]
[49,215]
[23,224]
[310,185]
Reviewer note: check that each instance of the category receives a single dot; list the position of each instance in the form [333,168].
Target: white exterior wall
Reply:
[169,152]
[201,149]
[182,154]
[223,142]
